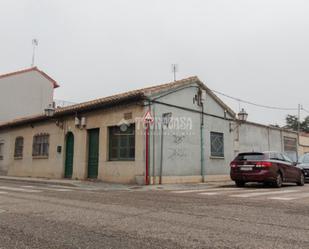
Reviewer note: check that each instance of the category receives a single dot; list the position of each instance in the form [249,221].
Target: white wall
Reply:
[24,94]
[258,138]
[182,148]
[217,165]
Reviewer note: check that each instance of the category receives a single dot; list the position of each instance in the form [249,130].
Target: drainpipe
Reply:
[147,150]
[147,155]
[202,145]
[161,157]
[165,122]
[153,147]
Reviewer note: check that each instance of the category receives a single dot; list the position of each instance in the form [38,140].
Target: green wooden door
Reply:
[93,153]
[69,154]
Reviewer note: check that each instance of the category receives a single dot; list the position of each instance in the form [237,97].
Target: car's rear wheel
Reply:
[301,181]
[240,183]
[278,181]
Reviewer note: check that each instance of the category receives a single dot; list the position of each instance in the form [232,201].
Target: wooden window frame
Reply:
[40,146]
[121,141]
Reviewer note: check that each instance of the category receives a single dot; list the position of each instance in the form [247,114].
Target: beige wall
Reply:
[304,144]
[4,163]
[53,166]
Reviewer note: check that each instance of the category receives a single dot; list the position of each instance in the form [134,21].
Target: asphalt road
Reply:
[43,216]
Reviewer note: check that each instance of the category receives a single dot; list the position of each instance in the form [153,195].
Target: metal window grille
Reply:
[1,150]
[19,146]
[217,144]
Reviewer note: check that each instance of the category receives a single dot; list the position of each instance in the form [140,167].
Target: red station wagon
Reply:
[268,167]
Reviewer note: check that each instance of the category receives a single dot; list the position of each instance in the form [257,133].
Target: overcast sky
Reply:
[257,50]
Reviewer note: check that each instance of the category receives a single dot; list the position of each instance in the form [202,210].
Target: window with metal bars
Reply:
[19,146]
[40,145]
[122,143]
[1,151]
[217,144]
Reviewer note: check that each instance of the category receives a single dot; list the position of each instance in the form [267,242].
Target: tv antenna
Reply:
[35,43]
[174,70]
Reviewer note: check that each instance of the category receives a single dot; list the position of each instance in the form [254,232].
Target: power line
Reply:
[258,105]
[305,110]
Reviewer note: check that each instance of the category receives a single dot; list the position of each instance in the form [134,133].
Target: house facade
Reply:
[26,92]
[304,143]
[170,133]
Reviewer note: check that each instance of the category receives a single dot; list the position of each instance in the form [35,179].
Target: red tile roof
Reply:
[131,96]
[55,84]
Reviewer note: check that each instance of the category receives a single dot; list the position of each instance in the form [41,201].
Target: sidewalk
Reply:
[99,185]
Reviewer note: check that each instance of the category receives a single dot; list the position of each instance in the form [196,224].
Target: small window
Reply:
[217,144]
[287,159]
[1,151]
[280,157]
[306,159]
[122,143]
[40,145]
[19,146]
[250,157]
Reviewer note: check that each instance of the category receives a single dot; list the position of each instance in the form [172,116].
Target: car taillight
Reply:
[233,164]
[263,164]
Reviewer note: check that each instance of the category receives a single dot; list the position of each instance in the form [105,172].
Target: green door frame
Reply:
[93,153]
[69,155]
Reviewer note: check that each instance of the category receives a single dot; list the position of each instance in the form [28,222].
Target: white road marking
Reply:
[265,193]
[247,191]
[20,189]
[49,189]
[203,190]
[74,188]
[290,197]
[209,193]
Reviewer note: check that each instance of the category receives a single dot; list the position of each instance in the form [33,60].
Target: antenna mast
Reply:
[174,70]
[35,43]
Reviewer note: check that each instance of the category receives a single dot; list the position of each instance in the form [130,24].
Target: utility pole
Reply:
[298,117]
[35,43]
[298,128]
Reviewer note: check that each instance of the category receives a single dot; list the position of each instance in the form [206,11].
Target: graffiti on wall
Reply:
[177,150]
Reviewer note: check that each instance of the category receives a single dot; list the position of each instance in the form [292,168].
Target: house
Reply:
[169,133]
[25,92]
[304,143]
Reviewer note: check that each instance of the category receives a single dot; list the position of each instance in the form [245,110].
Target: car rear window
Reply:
[250,157]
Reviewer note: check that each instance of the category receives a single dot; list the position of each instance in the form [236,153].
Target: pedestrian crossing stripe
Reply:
[20,189]
[235,190]
[265,193]
[202,190]
[48,189]
[290,197]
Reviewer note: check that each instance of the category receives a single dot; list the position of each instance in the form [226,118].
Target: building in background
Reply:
[24,93]
[303,143]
